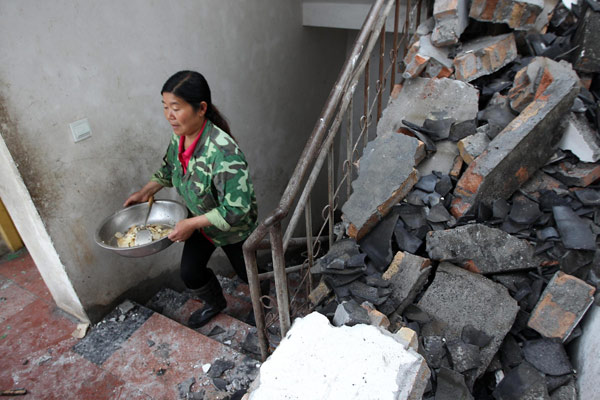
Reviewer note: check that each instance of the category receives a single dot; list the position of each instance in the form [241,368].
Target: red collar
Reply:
[186,155]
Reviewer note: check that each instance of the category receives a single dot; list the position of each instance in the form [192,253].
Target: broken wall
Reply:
[107,62]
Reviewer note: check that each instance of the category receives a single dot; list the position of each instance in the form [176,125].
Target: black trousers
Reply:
[197,250]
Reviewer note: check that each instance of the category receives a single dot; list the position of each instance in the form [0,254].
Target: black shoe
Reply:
[201,316]
[214,302]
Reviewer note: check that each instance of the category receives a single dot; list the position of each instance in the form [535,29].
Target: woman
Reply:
[207,168]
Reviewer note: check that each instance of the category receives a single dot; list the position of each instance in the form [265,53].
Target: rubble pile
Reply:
[475,216]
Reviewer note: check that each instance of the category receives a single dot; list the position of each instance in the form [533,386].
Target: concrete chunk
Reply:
[458,298]
[481,249]
[451,19]
[581,139]
[423,54]
[442,160]
[587,56]
[378,367]
[518,14]
[349,313]
[407,274]
[484,56]
[385,176]
[519,150]
[429,98]
[561,306]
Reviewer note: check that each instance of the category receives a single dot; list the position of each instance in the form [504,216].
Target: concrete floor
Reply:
[36,348]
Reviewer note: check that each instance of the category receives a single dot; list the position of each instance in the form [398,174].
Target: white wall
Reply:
[106,61]
[585,353]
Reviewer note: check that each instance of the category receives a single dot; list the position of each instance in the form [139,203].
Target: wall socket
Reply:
[81,130]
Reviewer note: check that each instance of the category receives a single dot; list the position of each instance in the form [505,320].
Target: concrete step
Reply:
[226,328]
[164,358]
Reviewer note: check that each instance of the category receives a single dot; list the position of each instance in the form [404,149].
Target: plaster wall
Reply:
[585,352]
[106,61]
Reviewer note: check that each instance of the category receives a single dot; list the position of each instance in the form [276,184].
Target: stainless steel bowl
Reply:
[165,212]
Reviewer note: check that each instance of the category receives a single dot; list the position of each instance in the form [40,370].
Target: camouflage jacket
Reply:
[217,184]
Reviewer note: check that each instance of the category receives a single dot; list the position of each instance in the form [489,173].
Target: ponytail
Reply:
[215,116]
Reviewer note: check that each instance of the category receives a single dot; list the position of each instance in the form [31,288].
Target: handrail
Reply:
[316,150]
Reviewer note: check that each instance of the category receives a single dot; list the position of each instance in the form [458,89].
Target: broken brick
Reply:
[407,274]
[421,55]
[472,146]
[477,248]
[532,80]
[518,14]
[561,306]
[581,174]
[320,293]
[484,56]
[377,318]
[408,337]
[518,151]
[429,98]
[540,181]
[385,176]
[458,298]
[451,19]
[581,139]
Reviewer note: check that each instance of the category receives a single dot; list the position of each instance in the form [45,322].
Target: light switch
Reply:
[81,130]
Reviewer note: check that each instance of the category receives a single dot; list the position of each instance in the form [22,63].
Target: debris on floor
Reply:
[491,257]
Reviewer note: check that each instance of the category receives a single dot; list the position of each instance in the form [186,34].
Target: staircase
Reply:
[151,347]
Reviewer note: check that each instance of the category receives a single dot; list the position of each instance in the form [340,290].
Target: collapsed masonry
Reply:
[475,215]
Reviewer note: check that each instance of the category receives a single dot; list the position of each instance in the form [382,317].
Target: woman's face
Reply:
[181,115]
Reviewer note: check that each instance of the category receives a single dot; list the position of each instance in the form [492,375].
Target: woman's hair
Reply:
[193,88]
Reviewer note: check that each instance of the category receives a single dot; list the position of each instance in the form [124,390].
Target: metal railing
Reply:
[320,148]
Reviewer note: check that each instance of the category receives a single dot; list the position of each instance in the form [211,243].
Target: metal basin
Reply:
[164,212]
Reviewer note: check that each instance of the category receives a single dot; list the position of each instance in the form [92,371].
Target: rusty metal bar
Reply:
[330,190]
[288,270]
[366,104]
[309,241]
[407,25]
[326,145]
[280,277]
[265,244]
[255,294]
[349,156]
[381,76]
[395,48]
[313,146]
[312,154]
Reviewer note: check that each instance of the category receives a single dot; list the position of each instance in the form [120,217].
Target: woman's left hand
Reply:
[183,230]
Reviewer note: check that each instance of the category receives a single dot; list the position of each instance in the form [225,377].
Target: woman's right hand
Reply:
[143,194]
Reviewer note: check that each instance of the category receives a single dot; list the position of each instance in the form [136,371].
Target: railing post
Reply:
[381,74]
[309,242]
[280,277]
[330,191]
[395,48]
[255,295]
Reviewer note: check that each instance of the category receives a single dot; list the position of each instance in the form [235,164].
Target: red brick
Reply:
[519,15]
[561,306]
[484,56]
